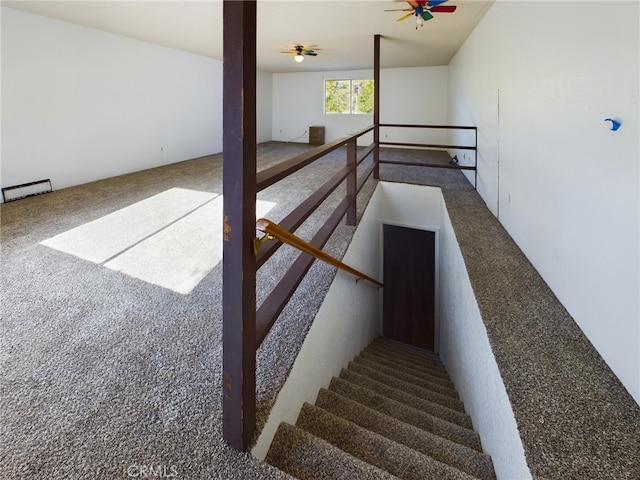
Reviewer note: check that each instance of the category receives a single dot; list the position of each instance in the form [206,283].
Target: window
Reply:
[348,96]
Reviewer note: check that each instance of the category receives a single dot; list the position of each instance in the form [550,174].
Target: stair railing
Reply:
[355,178]
[433,146]
[268,312]
[243,327]
[273,231]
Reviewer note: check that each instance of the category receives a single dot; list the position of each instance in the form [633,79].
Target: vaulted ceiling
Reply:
[343,30]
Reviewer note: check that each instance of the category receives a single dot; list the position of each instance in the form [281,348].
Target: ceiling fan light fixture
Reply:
[423,10]
[299,58]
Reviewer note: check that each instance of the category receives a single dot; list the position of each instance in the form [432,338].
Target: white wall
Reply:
[465,350]
[298,102]
[79,104]
[416,96]
[264,106]
[410,205]
[562,183]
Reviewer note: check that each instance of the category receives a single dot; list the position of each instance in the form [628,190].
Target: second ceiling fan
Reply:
[301,51]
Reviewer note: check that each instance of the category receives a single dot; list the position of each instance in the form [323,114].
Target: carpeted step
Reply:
[394,352]
[466,459]
[405,349]
[374,448]
[420,381]
[435,409]
[433,367]
[408,367]
[431,361]
[421,352]
[410,415]
[308,457]
[408,387]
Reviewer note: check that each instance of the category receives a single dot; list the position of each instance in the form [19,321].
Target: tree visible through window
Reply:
[348,96]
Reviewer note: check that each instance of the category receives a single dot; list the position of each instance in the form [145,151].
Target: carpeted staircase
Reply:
[393,413]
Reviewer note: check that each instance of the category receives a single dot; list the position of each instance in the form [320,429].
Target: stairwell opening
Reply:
[351,318]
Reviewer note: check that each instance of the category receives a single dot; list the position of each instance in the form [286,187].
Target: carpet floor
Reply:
[106,375]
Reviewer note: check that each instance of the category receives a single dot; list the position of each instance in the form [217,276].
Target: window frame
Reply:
[351,92]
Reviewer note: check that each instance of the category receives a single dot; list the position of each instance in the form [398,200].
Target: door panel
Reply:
[409,286]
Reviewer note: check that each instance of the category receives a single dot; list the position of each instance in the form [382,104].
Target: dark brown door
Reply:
[409,286]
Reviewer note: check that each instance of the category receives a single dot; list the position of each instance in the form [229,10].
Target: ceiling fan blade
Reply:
[426,15]
[443,9]
[400,10]
[413,3]
[313,54]
[404,17]
[433,3]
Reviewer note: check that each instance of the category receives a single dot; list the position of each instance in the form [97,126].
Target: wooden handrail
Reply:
[275,230]
[271,175]
[429,145]
[411,125]
[473,148]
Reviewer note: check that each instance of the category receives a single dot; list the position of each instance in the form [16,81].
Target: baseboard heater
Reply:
[24,190]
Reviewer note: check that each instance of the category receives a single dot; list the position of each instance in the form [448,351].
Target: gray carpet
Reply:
[103,374]
[388,427]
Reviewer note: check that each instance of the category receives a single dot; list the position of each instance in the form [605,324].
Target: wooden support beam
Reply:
[376,105]
[239,189]
[352,180]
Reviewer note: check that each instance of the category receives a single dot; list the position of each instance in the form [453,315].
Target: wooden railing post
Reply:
[376,106]
[352,180]
[239,212]
[475,158]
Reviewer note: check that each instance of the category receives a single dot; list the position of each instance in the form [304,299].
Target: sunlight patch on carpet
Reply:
[106,237]
[173,239]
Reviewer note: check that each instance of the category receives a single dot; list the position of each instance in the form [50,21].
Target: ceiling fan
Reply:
[300,51]
[422,10]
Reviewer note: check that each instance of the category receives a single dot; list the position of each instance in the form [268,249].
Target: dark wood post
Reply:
[352,180]
[475,159]
[239,212]
[376,105]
